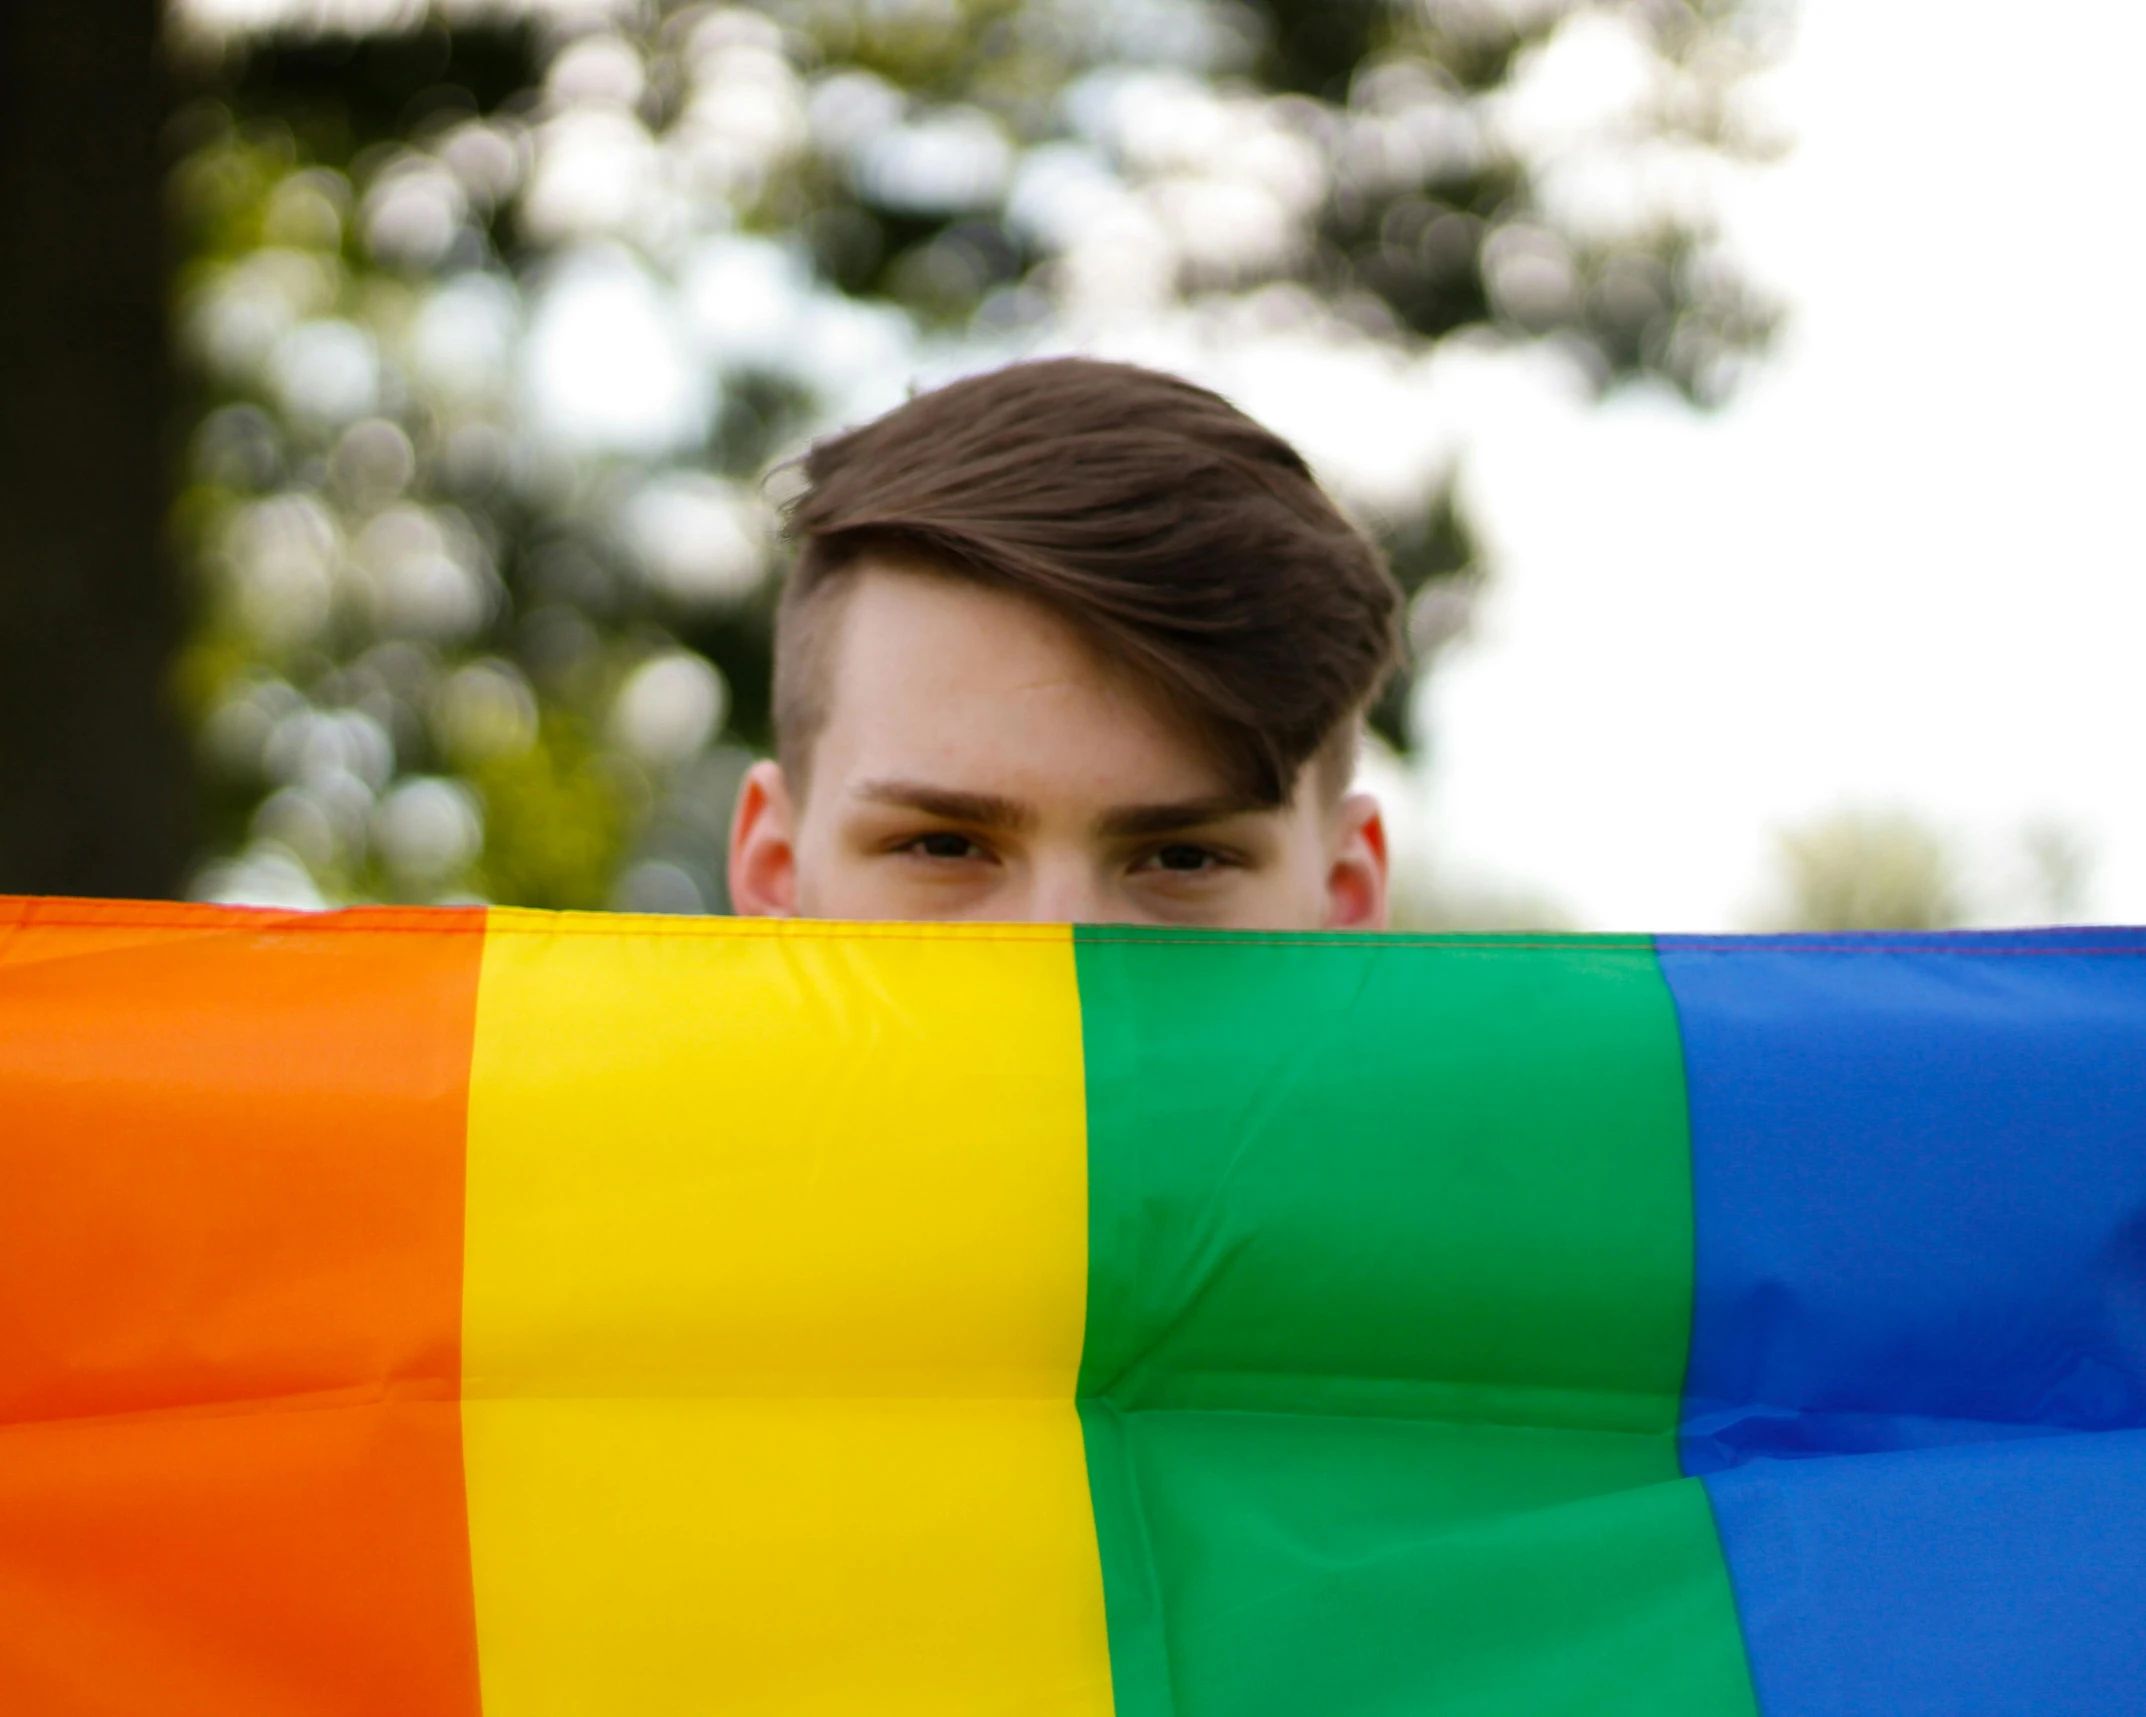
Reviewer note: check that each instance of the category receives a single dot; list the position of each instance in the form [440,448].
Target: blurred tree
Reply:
[499,317]
[95,795]
[2059,865]
[1866,870]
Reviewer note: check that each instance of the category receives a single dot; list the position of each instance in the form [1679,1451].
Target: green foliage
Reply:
[555,821]
[498,329]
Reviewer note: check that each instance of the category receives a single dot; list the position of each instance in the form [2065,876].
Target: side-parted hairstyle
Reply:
[1183,540]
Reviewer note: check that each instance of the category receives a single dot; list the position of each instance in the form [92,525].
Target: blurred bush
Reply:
[1886,868]
[1867,870]
[497,317]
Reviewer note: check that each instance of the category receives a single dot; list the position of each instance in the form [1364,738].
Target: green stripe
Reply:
[1389,1289]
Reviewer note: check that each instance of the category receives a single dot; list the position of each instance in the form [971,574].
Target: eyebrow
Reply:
[994,811]
[1129,822]
[979,810]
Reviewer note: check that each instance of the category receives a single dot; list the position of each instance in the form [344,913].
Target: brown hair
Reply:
[1184,540]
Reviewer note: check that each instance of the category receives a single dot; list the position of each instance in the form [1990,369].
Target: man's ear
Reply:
[1356,873]
[763,846]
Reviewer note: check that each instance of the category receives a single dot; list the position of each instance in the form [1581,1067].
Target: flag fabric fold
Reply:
[446,1311]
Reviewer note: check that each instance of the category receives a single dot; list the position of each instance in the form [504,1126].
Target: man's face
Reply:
[980,761]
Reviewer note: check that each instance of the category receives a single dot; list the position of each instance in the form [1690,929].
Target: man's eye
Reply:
[944,845]
[1183,858]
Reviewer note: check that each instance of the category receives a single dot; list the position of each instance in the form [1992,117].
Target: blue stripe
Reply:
[1980,1580]
[1919,1320]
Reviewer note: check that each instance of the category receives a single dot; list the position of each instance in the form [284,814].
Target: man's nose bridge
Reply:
[1067,891]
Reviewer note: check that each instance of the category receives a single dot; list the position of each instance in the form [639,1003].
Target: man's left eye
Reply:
[1183,858]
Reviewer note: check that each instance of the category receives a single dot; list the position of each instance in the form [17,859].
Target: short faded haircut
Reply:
[1180,538]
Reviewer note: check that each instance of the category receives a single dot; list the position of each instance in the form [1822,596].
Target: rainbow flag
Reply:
[435,1312]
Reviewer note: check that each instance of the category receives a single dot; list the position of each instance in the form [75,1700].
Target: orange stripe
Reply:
[231,1168]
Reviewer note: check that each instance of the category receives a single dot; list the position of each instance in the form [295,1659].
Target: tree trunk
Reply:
[95,795]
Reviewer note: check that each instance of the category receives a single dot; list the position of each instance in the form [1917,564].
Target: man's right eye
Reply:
[943,844]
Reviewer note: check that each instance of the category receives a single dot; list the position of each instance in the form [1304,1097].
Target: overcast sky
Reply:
[1904,569]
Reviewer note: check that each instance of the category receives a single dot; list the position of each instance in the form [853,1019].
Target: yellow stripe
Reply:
[772,1307]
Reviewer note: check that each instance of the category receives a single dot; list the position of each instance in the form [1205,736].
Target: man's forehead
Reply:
[887,602]
[996,681]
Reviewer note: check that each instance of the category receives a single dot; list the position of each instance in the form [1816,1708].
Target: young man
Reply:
[1070,641]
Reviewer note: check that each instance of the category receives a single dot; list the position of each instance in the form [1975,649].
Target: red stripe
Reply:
[231,1167]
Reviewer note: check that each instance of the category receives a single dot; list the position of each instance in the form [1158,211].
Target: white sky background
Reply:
[1904,569]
